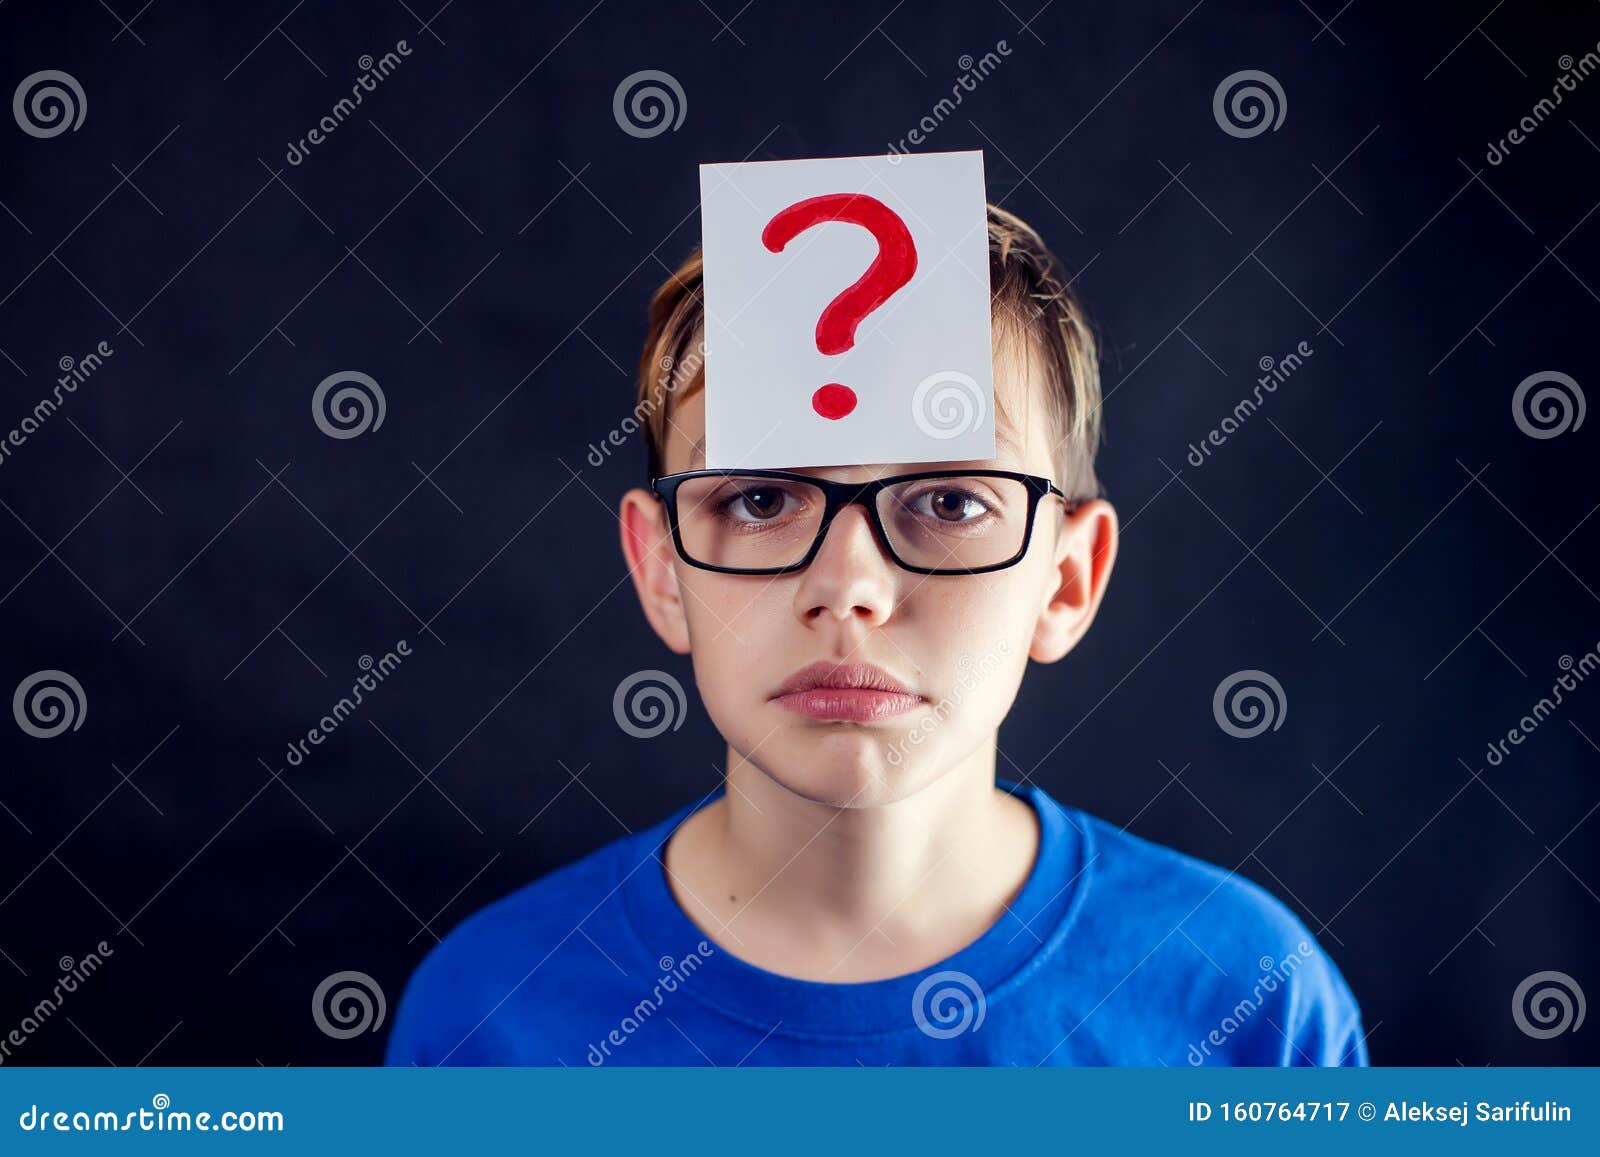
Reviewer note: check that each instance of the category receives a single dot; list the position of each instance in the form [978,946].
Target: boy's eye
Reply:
[756,503]
[949,505]
[953,505]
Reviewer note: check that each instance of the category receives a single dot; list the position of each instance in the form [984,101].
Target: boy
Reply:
[863,891]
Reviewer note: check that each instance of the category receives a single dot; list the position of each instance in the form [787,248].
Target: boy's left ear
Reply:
[1086,548]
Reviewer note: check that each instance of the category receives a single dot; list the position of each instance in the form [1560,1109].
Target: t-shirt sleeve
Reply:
[404,1047]
[1324,1020]
[407,1044]
[1353,1051]
[1280,999]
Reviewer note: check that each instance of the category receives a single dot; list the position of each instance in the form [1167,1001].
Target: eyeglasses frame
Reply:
[838,495]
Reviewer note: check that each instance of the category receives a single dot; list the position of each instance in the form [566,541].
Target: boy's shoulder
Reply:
[527,915]
[1150,882]
[521,950]
[1168,926]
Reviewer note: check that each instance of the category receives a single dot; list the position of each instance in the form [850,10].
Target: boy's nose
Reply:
[851,577]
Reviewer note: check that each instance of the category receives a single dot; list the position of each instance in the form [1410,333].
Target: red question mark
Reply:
[887,275]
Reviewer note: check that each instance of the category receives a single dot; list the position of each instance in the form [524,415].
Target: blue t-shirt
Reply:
[1116,951]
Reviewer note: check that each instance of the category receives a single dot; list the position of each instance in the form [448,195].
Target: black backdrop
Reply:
[480,236]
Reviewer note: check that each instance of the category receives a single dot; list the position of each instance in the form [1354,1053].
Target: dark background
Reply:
[184,541]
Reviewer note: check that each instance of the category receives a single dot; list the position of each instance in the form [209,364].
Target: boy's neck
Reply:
[852,893]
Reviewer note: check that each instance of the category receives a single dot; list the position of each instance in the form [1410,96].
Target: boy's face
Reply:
[957,643]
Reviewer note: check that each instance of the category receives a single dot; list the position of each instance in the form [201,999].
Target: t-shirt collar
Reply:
[998,961]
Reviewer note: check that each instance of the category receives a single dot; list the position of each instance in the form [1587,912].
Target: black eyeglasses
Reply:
[774,521]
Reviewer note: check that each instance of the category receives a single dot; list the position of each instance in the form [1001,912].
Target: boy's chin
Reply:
[850,769]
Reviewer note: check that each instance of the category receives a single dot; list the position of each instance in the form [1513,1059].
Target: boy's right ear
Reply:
[647,546]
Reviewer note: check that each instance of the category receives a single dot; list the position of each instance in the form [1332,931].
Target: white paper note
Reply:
[800,372]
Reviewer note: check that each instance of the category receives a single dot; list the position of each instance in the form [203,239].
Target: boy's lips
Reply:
[853,692]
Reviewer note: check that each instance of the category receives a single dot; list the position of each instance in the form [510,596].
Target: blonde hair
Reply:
[1030,300]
